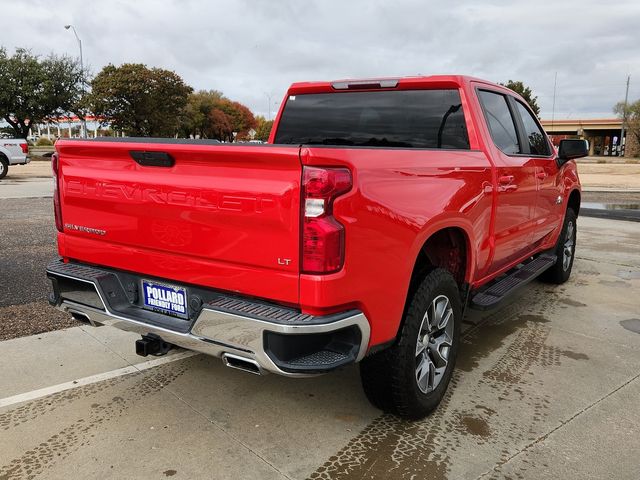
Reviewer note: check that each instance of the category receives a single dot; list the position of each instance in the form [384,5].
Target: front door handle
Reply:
[541,175]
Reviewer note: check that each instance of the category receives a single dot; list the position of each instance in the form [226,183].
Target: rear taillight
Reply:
[24,147]
[322,234]
[57,210]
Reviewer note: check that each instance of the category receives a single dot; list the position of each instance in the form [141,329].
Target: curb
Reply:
[610,190]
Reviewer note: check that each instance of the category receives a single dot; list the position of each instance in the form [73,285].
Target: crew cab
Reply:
[377,212]
[12,152]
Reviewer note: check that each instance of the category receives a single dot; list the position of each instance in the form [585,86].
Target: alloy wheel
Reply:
[434,344]
[569,243]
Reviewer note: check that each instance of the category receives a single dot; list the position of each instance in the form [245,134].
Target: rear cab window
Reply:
[394,119]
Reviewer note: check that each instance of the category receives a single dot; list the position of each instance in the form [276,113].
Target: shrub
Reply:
[44,142]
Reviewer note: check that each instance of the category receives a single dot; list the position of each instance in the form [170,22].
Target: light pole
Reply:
[268,95]
[624,116]
[271,104]
[83,121]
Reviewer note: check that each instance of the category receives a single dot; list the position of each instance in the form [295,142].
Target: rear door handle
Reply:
[541,175]
[506,179]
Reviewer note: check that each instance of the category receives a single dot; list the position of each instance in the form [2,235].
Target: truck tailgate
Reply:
[223,216]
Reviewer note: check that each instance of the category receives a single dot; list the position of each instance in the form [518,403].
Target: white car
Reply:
[12,152]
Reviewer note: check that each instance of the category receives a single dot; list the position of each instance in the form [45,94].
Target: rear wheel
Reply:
[565,251]
[410,378]
[4,167]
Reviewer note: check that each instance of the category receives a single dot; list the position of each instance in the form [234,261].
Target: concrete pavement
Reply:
[610,177]
[28,181]
[546,387]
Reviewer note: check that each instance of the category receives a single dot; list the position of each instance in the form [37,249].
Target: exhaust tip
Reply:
[241,363]
[80,317]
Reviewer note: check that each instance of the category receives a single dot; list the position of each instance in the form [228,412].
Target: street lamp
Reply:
[268,95]
[271,103]
[67,27]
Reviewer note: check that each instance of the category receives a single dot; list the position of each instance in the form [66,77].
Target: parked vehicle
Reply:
[379,211]
[12,152]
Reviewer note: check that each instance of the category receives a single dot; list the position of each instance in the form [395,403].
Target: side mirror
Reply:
[570,149]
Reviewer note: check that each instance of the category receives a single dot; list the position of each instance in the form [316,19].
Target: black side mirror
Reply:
[570,149]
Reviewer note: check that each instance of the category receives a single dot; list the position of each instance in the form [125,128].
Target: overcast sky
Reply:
[252,49]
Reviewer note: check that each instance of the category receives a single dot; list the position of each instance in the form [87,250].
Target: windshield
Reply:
[399,118]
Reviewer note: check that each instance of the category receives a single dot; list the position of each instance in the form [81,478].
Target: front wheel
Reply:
[410,378]
[565,251]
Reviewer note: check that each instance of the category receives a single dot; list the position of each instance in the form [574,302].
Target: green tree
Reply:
[194,120]
[632,120]
[140,101]
[525,92]
[208,114]
[33,89]
[263,128]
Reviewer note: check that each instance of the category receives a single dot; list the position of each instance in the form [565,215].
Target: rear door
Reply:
[514,216]
[549,209]
[225,216]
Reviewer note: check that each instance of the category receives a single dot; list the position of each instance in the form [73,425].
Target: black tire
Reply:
[561,270]
[4,167]
[389,378]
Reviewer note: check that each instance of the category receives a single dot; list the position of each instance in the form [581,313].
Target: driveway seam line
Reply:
[562,424]
[195,410]
[606,262]
[591,337]
[89,380]
[226,432]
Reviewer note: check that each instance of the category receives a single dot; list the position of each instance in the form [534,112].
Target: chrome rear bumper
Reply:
[217,331]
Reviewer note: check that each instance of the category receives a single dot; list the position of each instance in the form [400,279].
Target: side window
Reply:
[498,115]
[538,144]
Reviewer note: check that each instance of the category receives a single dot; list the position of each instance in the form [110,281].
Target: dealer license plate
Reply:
[165,298]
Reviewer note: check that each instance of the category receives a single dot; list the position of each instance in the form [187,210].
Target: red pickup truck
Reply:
[377,212]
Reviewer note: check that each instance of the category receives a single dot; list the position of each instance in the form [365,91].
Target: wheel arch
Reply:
[574,201]
[432,240]
[447,246]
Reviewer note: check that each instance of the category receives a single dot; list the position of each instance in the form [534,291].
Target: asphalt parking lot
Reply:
[547,386]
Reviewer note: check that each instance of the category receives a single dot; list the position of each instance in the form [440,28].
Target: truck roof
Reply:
[400,83]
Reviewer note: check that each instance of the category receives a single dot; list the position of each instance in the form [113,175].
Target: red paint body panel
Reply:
[400,198]
[220,217]
[228,216]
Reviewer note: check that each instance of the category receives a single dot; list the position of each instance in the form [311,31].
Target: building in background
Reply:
[68,127]
[65,127]
[603,135]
